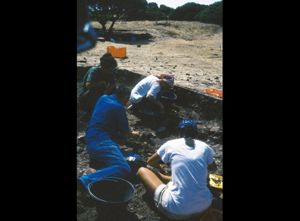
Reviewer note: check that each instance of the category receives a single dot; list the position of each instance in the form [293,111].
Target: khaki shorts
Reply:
[158,198]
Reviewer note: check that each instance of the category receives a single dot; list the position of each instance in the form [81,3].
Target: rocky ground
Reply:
[193,66]
[153,135]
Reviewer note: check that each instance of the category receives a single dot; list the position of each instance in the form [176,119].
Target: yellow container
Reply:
[116,52]
[216,181]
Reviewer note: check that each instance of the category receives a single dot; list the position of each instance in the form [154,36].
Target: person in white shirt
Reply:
[146,92]
[185,194]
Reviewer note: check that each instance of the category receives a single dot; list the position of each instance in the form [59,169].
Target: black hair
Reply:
[189,134]
[123,91]
[108,61]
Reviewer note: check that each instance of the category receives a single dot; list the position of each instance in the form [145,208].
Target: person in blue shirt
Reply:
[107,128]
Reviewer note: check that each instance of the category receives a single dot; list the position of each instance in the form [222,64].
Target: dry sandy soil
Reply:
[192,51]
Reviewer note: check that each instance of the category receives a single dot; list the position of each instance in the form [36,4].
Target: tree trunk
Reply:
[103,27]
[110,30]
[102,22]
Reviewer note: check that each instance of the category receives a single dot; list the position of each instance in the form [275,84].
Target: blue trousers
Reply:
[108,153]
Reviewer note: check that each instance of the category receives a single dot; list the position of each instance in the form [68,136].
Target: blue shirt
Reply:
[108,120]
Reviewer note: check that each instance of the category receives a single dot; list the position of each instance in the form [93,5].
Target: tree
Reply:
[152,12]
[166,10]
[187,12]
[112,10]
[213,14]
[152,5]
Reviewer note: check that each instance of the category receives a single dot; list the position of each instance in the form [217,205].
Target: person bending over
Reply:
[108,128]
[145,94]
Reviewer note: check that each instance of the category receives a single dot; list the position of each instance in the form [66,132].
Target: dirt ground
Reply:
[191,51]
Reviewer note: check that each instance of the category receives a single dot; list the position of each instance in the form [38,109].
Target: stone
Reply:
[140,217]
[161,129]
[214,129]
[79,149]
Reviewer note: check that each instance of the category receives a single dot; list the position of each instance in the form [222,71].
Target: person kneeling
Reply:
[185,194]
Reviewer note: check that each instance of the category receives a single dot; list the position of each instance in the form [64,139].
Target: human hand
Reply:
[135,133]
[125,148]
[102,84]
[89,171]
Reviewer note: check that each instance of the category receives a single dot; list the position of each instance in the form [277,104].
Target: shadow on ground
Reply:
[127,37]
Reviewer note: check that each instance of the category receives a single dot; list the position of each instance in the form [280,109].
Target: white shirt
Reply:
[187,192]
[146,87]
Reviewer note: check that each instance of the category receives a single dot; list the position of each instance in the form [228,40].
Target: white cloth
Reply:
[146,87]
[187,192]
[158,195]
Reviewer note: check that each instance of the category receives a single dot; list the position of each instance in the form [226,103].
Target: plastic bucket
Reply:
[111,191]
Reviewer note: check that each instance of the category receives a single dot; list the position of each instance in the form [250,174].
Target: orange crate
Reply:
[116,52]
[214,92]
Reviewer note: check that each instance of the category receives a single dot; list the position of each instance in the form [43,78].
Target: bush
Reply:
[166,10]
[212,14]
[154,14]
[187,12]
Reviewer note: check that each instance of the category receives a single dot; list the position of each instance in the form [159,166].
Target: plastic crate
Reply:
[116,52]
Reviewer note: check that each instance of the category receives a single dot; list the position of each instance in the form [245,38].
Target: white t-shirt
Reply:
[187,192]
[146,87]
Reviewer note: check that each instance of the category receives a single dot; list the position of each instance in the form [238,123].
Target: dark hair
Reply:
[108,61]
[123,92]
[188,131]
[189,134]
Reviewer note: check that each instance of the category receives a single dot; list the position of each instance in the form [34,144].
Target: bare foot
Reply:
[89,171]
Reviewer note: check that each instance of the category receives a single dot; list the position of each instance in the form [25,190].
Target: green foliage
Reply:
[187,12]
[166,10]
[152,5]
[151,12]
[112,10]
[154,15]
[213,14]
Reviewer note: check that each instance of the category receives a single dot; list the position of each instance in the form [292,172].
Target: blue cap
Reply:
[187,122]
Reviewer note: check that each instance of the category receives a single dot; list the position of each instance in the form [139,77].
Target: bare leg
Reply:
[149,179]
[164,178]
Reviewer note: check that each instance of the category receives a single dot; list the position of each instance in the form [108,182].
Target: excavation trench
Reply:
[190,103]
